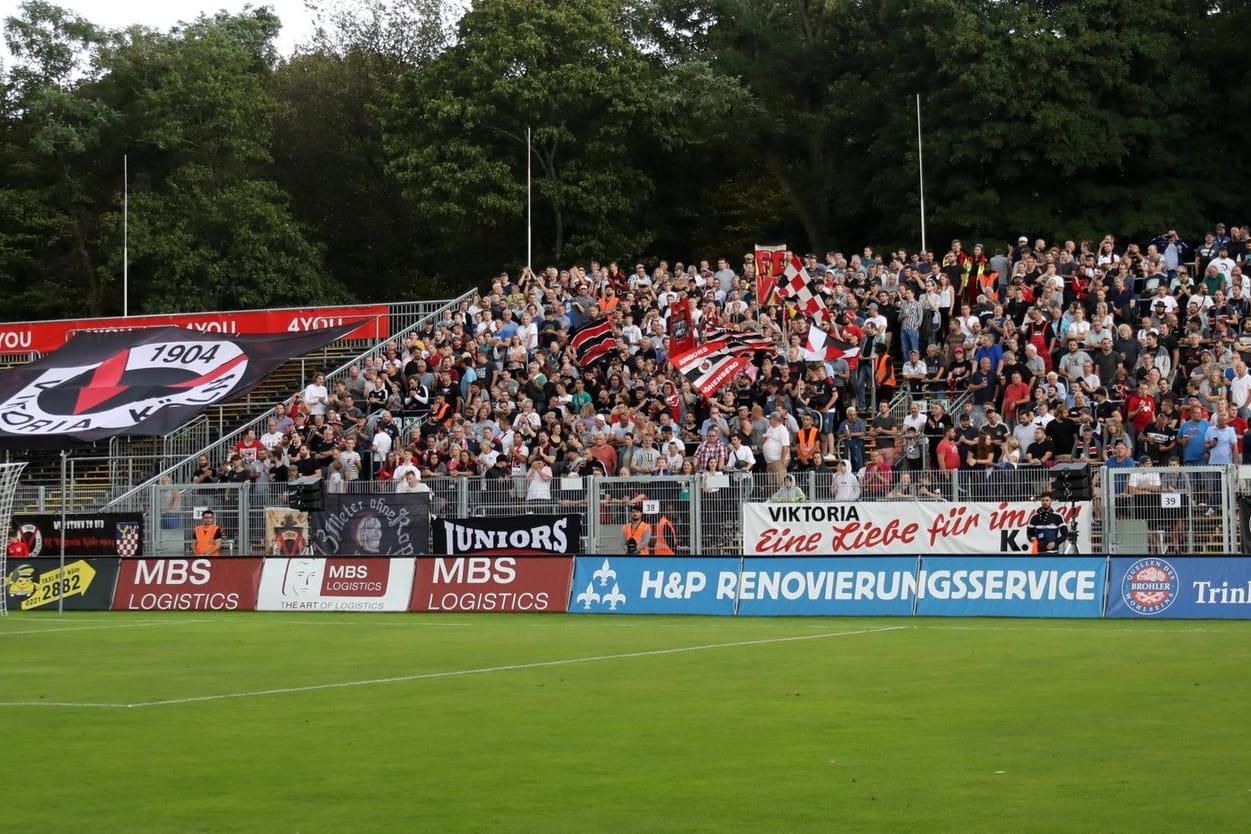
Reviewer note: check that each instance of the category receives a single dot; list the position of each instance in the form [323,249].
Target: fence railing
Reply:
[1158,510]
[181,470]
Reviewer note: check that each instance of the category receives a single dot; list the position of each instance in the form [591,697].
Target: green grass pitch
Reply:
[513,723]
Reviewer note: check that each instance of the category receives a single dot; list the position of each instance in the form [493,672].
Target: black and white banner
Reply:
[523,535]
[364,524]
[138,383]
[86,534]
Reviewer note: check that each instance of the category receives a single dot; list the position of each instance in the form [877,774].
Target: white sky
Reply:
[163,14]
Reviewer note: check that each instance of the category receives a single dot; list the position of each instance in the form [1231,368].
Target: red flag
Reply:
[681,332]
[770,264]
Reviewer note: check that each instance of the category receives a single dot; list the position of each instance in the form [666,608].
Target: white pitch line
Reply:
[149,624]
[412,624]
[516,667]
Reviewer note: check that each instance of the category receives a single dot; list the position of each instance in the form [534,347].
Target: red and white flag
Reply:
[822,347]
[711,365]
[794,289]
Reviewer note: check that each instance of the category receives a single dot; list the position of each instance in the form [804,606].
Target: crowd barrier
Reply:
[924,586]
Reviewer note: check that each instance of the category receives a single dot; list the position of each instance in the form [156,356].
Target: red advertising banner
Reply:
[47,336]
[486,583]
[187,585]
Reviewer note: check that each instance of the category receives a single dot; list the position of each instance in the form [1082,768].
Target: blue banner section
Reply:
[1011,587]
[661,585]
[883,586]
[1188,588]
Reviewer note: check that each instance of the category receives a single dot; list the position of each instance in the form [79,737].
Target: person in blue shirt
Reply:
[1192,436]
[992,350]
[1221,441]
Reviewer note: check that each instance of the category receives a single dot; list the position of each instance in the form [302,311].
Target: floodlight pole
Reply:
[921,172]
[125,235]
[529,203]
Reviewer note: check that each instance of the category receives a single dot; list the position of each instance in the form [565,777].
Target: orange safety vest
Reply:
[664,533]
[809,444]
[208,540]
[444,415]
[885,372]
[636,532]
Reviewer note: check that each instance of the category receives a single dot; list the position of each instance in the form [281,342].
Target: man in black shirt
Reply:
[1062,432]
[1158,441]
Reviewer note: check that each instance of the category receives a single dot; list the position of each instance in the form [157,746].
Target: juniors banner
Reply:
[40,584]
[86,534]
[187,585]
[897,528]
[1190,588]
[1050,586]
[342,584]
[366,524]
[641,585]
[517,535]
[484,583]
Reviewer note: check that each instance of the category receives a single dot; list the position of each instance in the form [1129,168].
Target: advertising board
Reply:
[827,587]
[47,336]
[1188,588]
[344,583]
[662,585]
[1051,586]
[881,528]
[492,583]
[187,585]
[40,584]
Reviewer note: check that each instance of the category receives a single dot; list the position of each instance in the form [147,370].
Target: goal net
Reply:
[9,474]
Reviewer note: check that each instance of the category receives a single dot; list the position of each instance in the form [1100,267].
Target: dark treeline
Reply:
[387,158]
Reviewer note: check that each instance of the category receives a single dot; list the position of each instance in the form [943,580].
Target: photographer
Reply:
[637,532]
[1045,528]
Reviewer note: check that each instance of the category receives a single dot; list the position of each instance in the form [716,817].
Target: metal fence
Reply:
[1190,511]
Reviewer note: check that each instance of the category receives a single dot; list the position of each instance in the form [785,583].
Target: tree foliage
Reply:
[387,158]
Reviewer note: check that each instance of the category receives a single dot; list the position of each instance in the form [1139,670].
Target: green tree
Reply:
[328,146]
[210,228]
[456,133]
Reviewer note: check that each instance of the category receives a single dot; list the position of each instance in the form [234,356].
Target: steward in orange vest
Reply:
[809,445]
[637,533]
[666,537]
[208,536]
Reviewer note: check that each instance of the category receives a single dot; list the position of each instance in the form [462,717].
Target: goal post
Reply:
[9,475]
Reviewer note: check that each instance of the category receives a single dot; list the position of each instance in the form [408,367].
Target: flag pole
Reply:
[921,172]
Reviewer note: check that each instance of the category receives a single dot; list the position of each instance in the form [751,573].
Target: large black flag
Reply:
[140,383]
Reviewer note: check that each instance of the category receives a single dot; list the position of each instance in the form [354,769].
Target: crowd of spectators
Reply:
[1115,353]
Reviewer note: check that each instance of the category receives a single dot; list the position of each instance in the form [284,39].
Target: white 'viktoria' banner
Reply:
[870,528]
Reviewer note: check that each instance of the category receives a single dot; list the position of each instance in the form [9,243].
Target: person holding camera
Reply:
[1045,528]
[637,532]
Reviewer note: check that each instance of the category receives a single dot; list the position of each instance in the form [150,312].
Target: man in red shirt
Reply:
[1016,395]
[948,452]
[17,548]
[1141,407]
